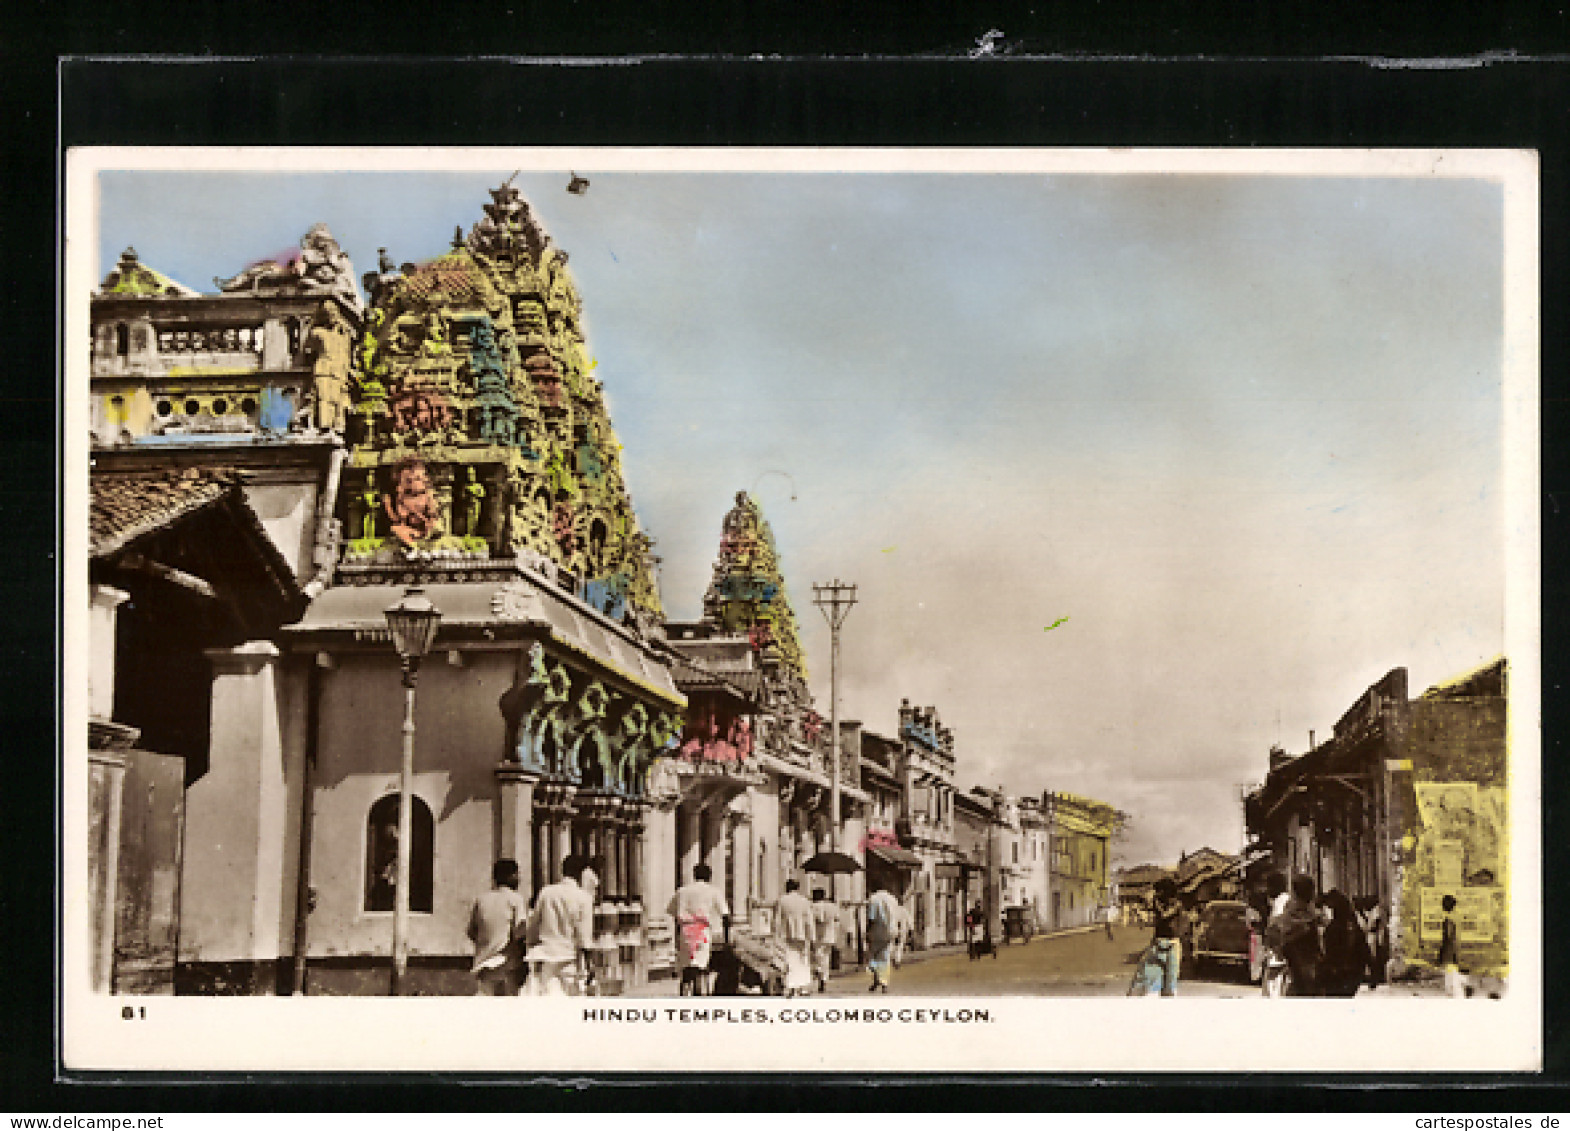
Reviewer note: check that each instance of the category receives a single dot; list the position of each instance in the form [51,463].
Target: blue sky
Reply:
[1243,432]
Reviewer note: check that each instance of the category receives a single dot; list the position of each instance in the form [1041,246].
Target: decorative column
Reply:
[635,876]
[562,848]
[691,818]
[614,883]
[515,820]
[714,857]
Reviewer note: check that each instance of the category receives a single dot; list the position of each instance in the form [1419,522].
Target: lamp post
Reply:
[834,601]
[412,623]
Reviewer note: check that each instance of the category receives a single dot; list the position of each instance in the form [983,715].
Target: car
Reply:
[1227,932]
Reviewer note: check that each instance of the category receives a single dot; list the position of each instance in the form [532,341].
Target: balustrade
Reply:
[210,339]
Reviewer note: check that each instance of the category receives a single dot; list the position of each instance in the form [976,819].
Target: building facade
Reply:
[1405,804]
[1081,831]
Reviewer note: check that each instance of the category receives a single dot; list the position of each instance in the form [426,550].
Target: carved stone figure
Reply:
[411,504]
[435,343]
[522,707]
[323,265]
[369,499]
[329,347]
[473,503]
[632,734]
[589,744]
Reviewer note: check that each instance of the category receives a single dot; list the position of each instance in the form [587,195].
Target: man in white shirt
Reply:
[561,927]
[795,926]
[496,928]
[701,916]
[826,929]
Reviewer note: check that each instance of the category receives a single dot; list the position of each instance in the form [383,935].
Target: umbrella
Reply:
[831,864]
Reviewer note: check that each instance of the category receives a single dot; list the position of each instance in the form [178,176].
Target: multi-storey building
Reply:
[939,887]
[1081,831]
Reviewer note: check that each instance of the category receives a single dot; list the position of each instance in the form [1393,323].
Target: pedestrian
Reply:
[1107,912]
[1163,959]
[1378,938]
[1294,934]
[1449,950]
[561,931]
[1273,964]
[975,931]
[701,914]
[882,915]
[795,928]
[498,928]
[901,935]
[825,925]
[1345,959]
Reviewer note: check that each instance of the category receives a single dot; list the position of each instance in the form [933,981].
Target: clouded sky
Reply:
[1137,474]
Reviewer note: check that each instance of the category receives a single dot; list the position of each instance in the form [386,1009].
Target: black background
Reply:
[1087,74]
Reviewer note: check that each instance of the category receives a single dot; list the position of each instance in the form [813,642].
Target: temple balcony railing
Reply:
[199,407]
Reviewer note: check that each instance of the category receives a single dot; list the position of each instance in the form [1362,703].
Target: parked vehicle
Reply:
[1227,931]
[1016,924]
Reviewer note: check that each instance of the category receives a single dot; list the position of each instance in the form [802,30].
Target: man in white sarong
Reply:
[561,927]
[701,916]
[794,927]
[826,926]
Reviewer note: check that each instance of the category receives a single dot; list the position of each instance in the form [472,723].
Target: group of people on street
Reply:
[806,930]
[541,951]
[545,950]
[1321,945]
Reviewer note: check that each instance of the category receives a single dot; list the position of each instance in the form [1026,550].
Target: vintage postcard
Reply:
[1028,610]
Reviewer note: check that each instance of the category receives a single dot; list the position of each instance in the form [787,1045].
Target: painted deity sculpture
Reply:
[411,505]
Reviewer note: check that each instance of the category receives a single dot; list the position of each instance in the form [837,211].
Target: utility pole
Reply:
[834,601]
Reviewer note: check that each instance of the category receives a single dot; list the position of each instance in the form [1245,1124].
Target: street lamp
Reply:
[834,601]
[412,623]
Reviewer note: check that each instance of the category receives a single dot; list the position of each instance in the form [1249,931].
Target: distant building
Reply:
[1205,874]
[1136,888]
[939,886]
[1406,803]
[1081,832]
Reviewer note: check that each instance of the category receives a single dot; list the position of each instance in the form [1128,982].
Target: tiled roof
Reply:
[455,275]
[127,505]
[689,677]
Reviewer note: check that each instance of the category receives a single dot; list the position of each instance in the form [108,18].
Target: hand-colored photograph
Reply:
[1029,585]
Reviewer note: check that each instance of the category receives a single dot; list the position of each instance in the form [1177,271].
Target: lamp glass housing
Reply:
[412,623]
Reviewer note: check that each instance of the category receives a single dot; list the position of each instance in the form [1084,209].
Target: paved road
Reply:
[1082,964]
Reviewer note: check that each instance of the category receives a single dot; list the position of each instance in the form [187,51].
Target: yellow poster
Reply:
[1449,863]
[1447,807]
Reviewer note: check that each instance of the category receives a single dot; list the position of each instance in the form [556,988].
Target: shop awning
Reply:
[895,857]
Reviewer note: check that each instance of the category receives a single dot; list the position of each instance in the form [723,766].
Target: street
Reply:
[1079,964]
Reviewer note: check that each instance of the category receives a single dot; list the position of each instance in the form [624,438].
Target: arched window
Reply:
[122,339]
[381,856]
